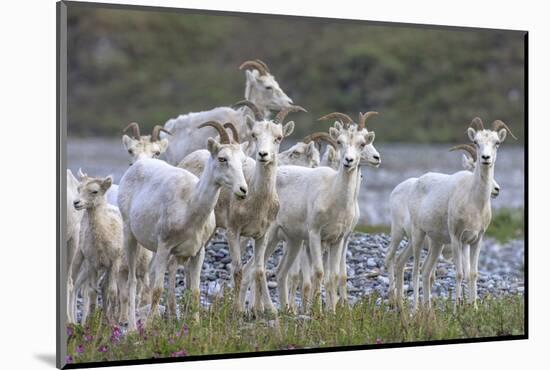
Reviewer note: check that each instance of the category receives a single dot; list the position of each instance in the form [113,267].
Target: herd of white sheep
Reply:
[222,169]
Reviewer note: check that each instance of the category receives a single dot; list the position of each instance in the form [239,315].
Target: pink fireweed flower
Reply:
[88,337]
[69,359]
[181,353]
[378,341]
[70,331]
[116,333]
[80,349]
[103,349]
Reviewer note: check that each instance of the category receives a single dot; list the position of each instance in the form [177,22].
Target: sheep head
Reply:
[91,191]
[139,147]
[262,88]
[487,141]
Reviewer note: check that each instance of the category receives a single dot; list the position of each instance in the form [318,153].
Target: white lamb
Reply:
[100,245]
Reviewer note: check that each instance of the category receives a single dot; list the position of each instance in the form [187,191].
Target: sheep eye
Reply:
[222,160]
[269,87]
[157,154]
[278,138]
[94,192]
[130,151]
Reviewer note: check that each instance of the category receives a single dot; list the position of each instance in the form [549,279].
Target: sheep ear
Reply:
[334,133]
[163,144]
[126,141]
[502,135]
[71,179]
[331,153]
[467,163]
[244,146]
[310,148]
[288,128]
[251,76]
[471,134]
[369,138]
[213,146]
[338,125]
[249,122]
[106,184]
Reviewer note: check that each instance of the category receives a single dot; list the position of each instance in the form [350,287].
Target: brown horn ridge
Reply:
[234,131]
[156,132]
[258,116]
[135,130]
[470,149]
[498,125]
[477,124]
[316,136]
[343,118]
[363,118]
[279,118]
[254,64]
[224,137]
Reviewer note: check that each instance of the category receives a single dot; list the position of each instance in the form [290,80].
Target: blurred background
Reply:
[427,84]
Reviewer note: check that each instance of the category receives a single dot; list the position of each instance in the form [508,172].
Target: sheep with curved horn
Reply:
[400,220]
[262,89]
[168,210]
[453,209]
[250,218]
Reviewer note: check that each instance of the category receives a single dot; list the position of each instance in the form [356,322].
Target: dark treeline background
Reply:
[147,66]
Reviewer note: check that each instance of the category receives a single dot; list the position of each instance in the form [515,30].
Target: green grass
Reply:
[506,224]
[222,330]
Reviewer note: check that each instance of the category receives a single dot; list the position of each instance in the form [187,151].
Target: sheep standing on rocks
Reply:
[100,244]
[453,209]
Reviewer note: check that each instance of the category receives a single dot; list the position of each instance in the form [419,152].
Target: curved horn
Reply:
[344,118]
[477,124]
[363,118]
[316,136]
[254,65]
[135,130]
[224,137]
[156,131]
[263,64]
[498,125]
[279,118]
[234,131]
[470,149]
[258,116]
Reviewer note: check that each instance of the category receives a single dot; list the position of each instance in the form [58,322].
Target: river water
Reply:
[101,157]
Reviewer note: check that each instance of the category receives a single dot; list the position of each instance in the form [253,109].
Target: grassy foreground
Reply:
[222,330]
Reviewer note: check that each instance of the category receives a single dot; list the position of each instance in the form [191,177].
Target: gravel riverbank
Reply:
[500,271]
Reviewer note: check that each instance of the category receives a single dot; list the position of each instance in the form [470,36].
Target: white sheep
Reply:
[453,209]
[317,205]
[168,210]
[400,220]
[261,89]
[300,154]
[100,246]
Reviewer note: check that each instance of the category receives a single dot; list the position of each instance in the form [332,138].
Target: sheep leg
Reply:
[428,270]
[159,267]
[402,259]
[343,275]
[466,264]
[397,234]
[172,272]
[262,291]
[194,266]
[74,268]
[233,239]
[145,295]
[456,246]
[294,276]
[291,252]
[334,256]
[315,249]
[72,245]
[306,277]
[123,297]
[130,247]
[472,279]
[82,277]
[417,238]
